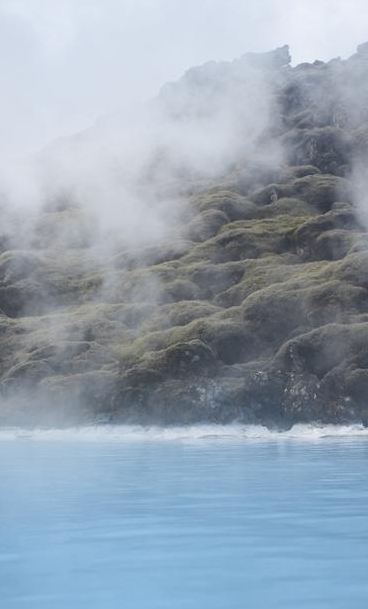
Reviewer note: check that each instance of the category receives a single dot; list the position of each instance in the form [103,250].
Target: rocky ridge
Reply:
[255,310]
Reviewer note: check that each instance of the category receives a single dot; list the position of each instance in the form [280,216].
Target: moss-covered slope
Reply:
[254,308]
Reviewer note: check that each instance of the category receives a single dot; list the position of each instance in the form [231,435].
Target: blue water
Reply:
[183,521]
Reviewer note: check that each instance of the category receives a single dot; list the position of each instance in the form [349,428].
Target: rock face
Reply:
[255,308]
[271,60]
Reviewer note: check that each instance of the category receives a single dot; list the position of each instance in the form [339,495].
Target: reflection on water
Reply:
[217,522]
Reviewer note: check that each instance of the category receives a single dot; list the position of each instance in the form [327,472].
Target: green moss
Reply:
[213,279]
[286,206]
[258,274]
[206,225]
[151,256]
[232,204]
[321,350]
[353,269]
[322,191]
[181,359]
[319,190]
[246,239]
[179,314]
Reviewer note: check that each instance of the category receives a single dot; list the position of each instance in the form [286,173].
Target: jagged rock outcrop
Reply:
[256,308]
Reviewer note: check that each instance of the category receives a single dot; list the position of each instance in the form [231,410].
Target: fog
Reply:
[127,172]
[65,63]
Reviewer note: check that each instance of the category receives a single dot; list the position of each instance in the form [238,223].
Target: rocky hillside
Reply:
[254,307]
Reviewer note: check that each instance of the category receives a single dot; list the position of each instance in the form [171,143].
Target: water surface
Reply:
[181,519]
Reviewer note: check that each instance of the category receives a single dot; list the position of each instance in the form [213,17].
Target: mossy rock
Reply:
[27,374]
[213,279]
[182,359]
[149,256]
[335,244]
[286,206]
[79,397]
[232,204]
[323,349]
[180,314]
[322,191]
[328,236]
[206,225]
[356,383]
[289,173]
[328,148]
[256,275]
[16,265]
[242,240]
[353,269]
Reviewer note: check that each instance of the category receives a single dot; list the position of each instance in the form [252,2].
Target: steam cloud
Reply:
[126,173]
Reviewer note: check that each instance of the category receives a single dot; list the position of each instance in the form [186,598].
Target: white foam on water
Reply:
[210,432]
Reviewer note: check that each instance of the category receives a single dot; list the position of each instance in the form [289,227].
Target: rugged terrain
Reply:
[254,307]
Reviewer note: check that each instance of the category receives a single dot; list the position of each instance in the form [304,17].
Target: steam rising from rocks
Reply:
[128,172]
[198,258]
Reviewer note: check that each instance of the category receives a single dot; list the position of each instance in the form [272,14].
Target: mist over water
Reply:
[189,433]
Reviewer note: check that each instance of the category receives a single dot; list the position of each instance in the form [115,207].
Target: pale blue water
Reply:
[183,522]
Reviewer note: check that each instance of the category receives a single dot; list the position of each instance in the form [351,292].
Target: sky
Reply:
[64,63]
